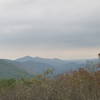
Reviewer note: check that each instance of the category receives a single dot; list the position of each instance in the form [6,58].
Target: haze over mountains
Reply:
[28,66]
[9,70]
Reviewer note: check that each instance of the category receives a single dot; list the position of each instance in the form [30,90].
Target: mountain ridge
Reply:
[36,65]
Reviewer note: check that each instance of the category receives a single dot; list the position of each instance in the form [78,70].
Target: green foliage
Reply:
[78,85]
[7,83]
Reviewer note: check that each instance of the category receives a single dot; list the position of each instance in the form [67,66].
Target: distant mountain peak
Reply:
[25,58]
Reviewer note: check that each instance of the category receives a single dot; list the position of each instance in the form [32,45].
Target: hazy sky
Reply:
[50,28]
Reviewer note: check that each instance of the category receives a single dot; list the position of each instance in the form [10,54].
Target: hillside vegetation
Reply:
[9,70]
[77,85]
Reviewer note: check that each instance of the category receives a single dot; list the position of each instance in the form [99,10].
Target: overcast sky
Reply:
[67,29]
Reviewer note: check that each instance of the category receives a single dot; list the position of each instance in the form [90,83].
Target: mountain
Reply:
[28,66]
[33,67]
[9,70]
[39,65]
[23,59]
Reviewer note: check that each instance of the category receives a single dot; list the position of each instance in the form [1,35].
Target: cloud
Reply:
[55,24]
